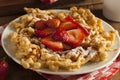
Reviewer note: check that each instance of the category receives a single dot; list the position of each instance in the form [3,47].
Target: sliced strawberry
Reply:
[76,36]
[68,18]
[60,35]
[53,23]
[52,44]
[45,32]
[40,25]
[67,25]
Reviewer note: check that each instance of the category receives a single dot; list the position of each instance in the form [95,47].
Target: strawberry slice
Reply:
[68,25]
[52,44]
[53,23]
[76,37]
[45,32]
[68,18]
[60,35]
[40,25]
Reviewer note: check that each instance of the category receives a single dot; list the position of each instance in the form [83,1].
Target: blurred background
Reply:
[10,7]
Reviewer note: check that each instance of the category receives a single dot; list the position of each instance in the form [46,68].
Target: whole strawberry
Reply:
[3,69]
[48,1]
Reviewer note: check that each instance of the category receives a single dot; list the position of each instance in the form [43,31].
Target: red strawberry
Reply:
[45,32]
[53,23]
[70,19]
[60,35]
[76,36]
[3,69]
[48,1]
[52,44]
[40,25]
[67,25]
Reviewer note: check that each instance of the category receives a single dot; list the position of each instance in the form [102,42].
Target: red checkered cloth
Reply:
[101,74]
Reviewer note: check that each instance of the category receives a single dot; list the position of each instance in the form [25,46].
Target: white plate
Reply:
[88,67]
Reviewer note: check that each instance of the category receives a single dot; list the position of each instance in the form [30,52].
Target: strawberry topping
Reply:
[44,32]
[68,25]
[53,23]
[40,25]
[76,36]
[68,18]
[60,35]
[52,44]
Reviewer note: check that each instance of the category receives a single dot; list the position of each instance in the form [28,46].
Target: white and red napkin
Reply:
[101,74]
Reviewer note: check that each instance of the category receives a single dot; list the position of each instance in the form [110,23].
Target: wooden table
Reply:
[16,72]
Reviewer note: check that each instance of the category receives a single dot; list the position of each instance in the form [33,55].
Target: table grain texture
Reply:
[16,72]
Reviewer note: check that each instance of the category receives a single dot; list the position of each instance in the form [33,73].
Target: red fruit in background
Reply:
[48,1]
[40,25]
[53,23]
[60,35]
[52,44]
[0,38]
[118,58]
[3,69]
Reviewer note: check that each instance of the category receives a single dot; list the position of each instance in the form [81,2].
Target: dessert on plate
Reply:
[60,39]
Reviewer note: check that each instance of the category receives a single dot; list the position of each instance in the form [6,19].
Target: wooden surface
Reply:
[11,7]
[16,72]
